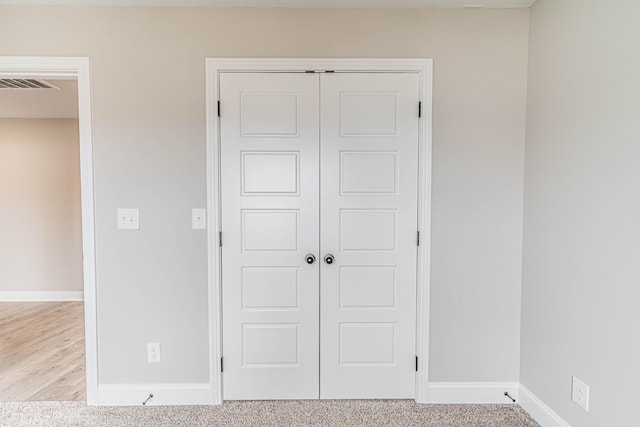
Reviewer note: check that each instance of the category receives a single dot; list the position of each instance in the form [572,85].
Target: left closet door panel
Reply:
[270,218]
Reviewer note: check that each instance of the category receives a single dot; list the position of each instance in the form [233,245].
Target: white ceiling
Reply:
[41,103]
[390,4]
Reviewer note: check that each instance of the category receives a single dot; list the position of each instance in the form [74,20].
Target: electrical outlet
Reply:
[580,393]
[153,352]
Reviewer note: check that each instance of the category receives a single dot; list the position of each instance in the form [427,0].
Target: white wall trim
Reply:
[423,292]
[213,227]
[493,392]
[79,68]
[163,394]
[41,296]
[423,66]
[472,392]
[308,4]
[539,411]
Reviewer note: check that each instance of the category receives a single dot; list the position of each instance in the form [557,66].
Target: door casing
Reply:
[78,68]
[424,68]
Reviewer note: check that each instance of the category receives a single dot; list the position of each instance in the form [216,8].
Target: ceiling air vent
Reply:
[25,84]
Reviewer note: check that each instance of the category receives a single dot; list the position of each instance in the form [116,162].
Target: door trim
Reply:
[80,69]
[424,67]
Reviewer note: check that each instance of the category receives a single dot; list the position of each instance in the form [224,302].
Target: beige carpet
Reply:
[281,413]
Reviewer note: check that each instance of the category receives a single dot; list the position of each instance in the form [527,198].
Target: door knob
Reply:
[310,259]
[329,259]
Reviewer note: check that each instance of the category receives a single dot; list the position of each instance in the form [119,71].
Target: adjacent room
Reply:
[41,285]
[320,212]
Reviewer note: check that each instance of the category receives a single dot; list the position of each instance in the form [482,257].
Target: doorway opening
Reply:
[47,274]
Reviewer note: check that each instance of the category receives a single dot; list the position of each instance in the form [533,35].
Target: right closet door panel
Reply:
[368,231]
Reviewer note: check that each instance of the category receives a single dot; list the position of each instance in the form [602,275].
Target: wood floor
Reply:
[42,351]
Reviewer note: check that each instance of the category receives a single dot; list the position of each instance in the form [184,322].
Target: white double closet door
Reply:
[324,166]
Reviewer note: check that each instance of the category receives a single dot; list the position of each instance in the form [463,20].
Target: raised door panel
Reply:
[367,287]
[268,173]
[374,172]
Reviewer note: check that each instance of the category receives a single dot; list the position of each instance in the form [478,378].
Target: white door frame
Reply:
[214,66]
[79,68]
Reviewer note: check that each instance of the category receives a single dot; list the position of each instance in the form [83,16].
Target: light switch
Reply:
[128,219]
[198,219]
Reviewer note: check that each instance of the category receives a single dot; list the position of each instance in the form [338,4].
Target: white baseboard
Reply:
[163,394]
[480,392]
[442,392]
[41,296]
[539,411]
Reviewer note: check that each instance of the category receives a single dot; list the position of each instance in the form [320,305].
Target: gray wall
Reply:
[149,126]
[40,227]
[581,283]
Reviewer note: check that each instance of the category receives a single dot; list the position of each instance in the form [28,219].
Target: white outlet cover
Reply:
[580,393]
[199,219]
[153,352]
[128,219]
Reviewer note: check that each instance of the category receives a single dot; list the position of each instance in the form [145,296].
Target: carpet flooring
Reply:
[333,413]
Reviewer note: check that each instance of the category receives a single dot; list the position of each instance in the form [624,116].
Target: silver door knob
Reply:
[329,259]
[310,259]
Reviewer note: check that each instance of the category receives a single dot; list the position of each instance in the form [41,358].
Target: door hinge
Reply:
[222,364]
[416,363]
[419,109]
[218,108]
[418,238]
[220,238]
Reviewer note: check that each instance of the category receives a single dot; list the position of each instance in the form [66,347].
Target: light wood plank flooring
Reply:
[42,351]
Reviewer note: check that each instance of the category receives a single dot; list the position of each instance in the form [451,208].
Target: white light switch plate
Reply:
[128,219]
[198,219]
